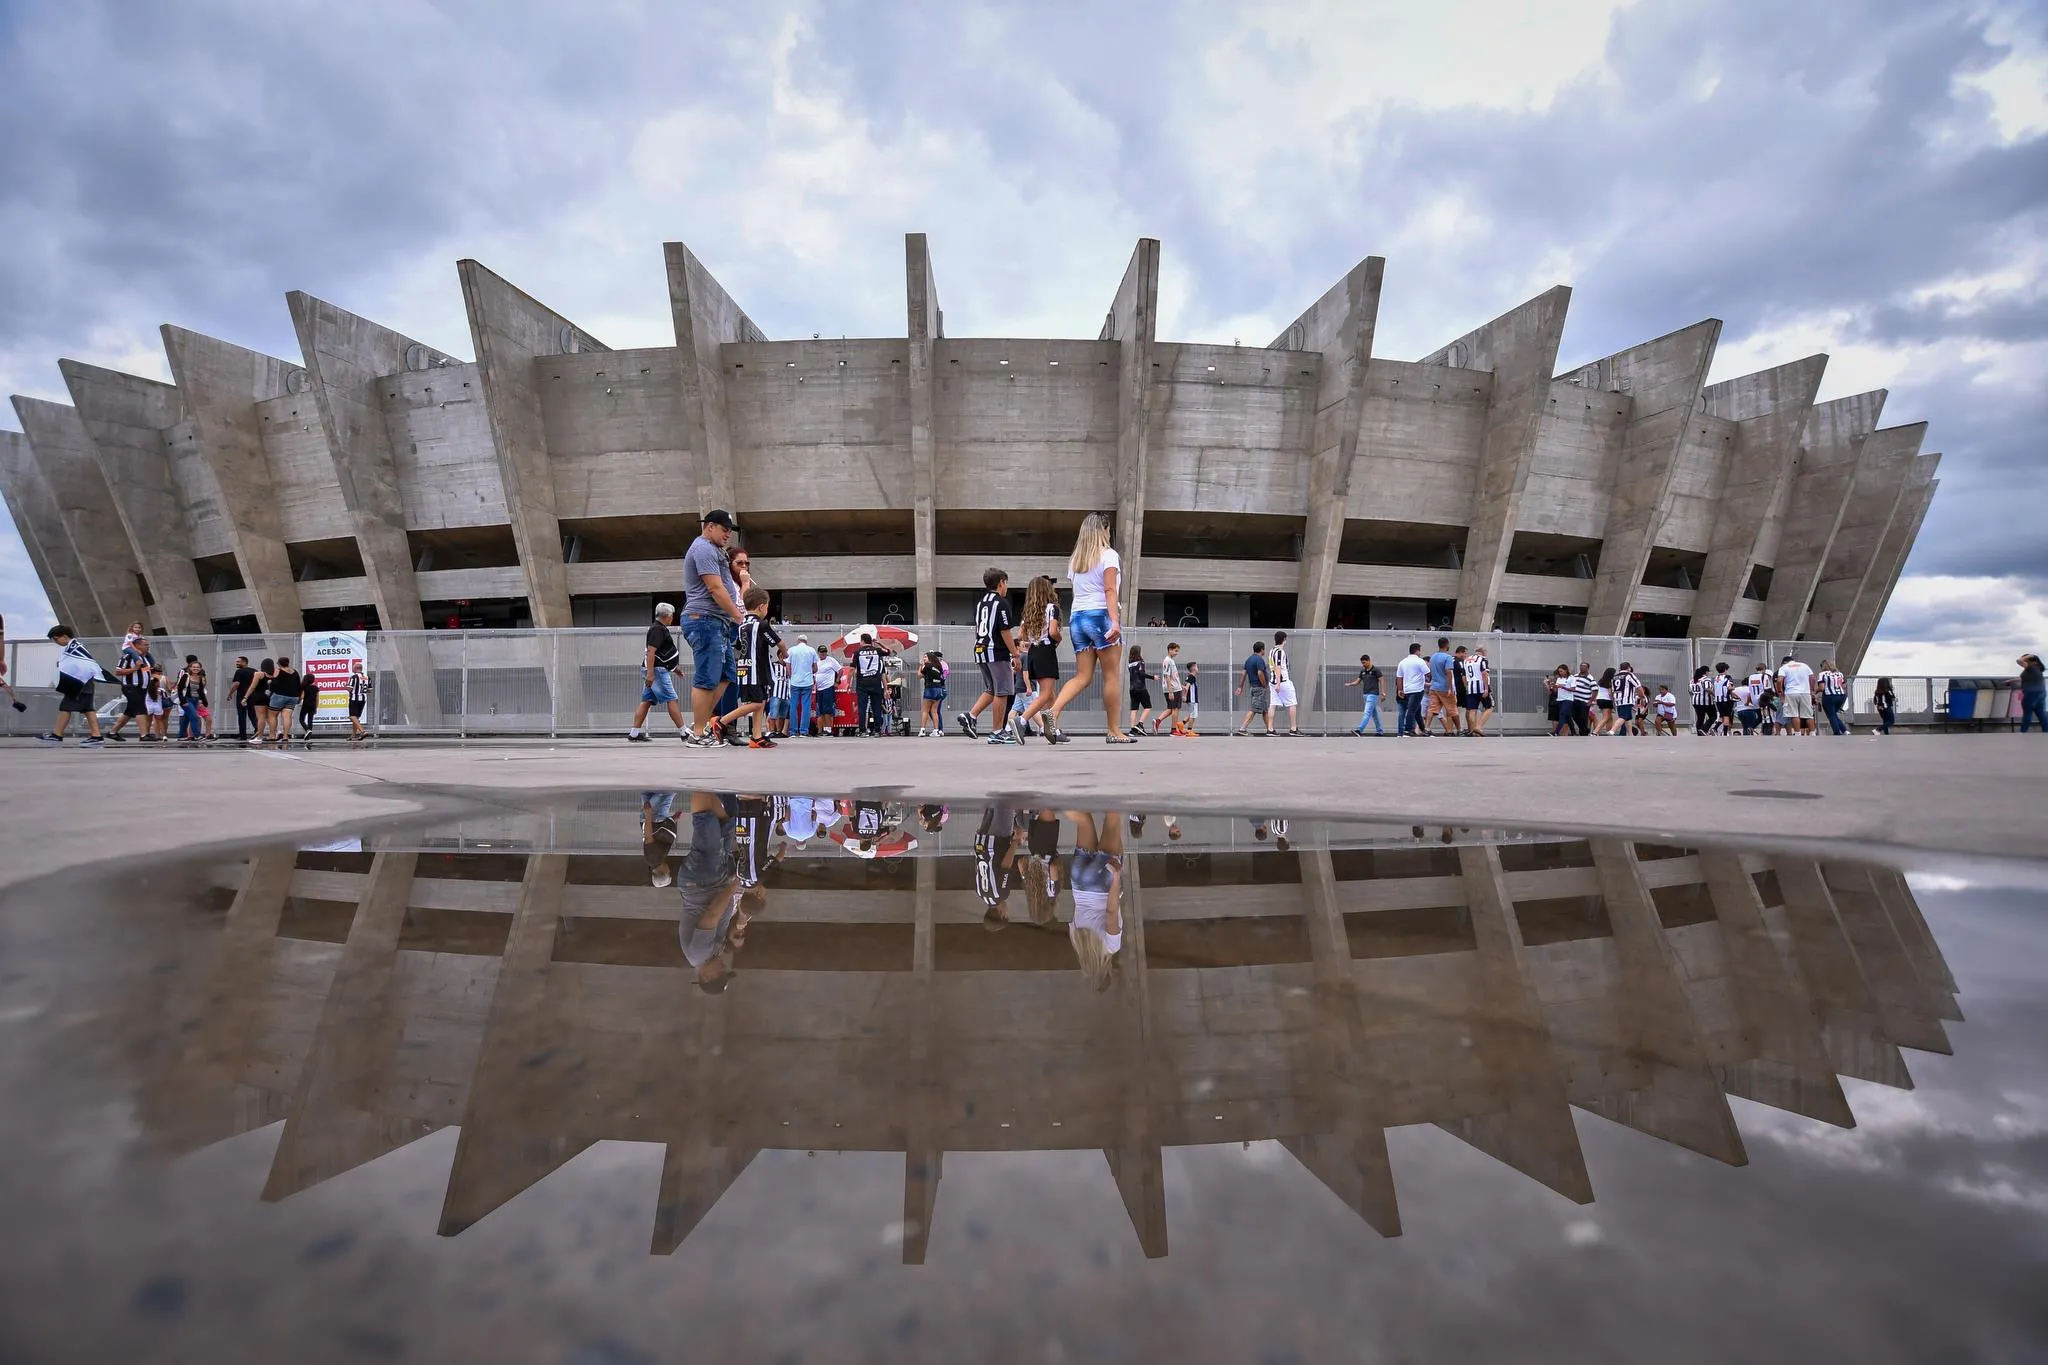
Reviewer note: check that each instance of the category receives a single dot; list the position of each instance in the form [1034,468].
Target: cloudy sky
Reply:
[1867,178]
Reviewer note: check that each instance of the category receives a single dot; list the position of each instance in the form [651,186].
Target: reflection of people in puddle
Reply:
[716,906]
[1096,872]
[932,818]
[869,822]
[1172,823]
[658,834]
[753,827]
[995,863]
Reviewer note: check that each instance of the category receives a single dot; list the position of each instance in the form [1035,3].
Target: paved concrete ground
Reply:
[1957,794]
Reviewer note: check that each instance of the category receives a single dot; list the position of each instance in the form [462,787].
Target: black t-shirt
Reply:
[666,655]
[933,672]
[1138,675]
[2031,676]
[309,691]
[991,619]
[867,666]
[286,683]
[243,677]
[1369,680]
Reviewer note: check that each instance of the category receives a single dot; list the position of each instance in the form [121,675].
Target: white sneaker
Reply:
[924,733]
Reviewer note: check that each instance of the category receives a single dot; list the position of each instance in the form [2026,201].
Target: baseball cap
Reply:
[718,516]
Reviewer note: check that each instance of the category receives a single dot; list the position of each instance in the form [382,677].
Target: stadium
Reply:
[374,482]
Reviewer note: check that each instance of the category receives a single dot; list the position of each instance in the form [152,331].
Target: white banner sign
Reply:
[329,657]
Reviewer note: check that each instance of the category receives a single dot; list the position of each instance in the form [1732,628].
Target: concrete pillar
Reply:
[1670,1091]
[924,1157]
[221,384]
[510,328]
[1874,495]
[1136,1163]
[63,451]
[36,516]
[499,1154]
[1520,349]
[332,1125]
[1902,1002]
[1133,324]
[346,356]
[201,1097]
[696,1169]
[706,318]
[125,415]
[1842,1000]
[1340,325]
[1787,1067]
[1532,1131]
[1663,379]
[927,324]
[1897,544]
[1833,438]
[1928,965]
[1350,1157]
[1769,409]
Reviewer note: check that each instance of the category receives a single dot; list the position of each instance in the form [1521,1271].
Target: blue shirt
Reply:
[1440,672]
[1255,674]
[803,666]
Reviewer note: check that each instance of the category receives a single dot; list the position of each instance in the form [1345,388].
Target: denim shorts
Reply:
[710,650]
[935,694]
[1091,871]
[1090,630]
[662,689]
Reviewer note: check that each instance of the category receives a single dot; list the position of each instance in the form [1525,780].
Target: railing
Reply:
[463,683]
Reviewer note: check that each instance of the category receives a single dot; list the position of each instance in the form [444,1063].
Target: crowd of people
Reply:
[266,697]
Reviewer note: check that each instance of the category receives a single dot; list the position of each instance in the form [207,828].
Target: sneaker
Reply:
[762,743]
[50,737]
[1001,737]
[638,737]
[92,742]
[1019,730]
[966,724]
[118,737]
[924,732]
[1055,735]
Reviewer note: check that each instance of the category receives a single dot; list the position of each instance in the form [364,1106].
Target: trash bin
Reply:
[2005,700]
[1961,703]
[1987,694]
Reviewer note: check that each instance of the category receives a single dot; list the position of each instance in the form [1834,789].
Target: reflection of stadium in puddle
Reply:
[1017,977]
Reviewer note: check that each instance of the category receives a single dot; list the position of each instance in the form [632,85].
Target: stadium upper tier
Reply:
[551,480]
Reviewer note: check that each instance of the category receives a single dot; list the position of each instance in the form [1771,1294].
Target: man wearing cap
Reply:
[711,618]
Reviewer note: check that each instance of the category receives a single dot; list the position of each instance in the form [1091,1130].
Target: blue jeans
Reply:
[800,709]
[661,691]
[1831,706]
[1411,714]
[188,720]
[711,662]
[2033,707]
[1371,716]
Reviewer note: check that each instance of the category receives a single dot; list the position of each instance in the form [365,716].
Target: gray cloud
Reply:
[1765,164]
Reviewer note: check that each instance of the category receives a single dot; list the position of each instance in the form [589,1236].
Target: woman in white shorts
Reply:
[1283,684]
[1095,873]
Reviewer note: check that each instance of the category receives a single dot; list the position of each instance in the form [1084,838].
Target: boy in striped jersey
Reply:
[77,670]
[1724,698]
[1834,695]
[1628,700]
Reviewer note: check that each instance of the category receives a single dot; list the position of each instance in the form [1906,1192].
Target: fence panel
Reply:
[587,681]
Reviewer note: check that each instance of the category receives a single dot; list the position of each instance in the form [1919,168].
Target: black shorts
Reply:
[1043,663]
[355,710]
[78,703]
[1725,709]
[1141,699]
[751,693]
[133,697]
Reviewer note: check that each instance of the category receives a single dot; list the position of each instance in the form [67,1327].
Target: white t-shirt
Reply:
[1667,704]
[1088,590]
[827,670]
[1413,670]
[1796,676]
[801,823]
[1091,911]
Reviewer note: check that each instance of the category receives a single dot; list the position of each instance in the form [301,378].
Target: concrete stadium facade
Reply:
[553,481]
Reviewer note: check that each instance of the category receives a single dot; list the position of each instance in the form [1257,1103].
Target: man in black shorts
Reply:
[77,671]
[995,645]
[358,699]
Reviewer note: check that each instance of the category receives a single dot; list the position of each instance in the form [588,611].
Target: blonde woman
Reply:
[1098,633]
[1096,873]
[1041,632]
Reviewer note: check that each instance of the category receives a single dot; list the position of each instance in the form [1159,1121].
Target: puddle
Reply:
[802,1078]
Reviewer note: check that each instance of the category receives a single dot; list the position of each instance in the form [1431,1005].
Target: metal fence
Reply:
[462,683]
